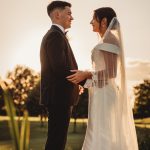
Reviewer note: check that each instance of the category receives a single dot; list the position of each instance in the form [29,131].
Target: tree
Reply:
[33,106]
[20,132]
[142,99]
[33,99]
[2,106]
[20,83]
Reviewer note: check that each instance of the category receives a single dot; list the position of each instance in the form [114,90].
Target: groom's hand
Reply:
[77,77]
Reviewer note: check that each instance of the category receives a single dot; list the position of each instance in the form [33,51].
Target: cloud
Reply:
[137,70]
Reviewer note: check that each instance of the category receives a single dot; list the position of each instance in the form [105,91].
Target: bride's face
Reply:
[99,27]
[95,24]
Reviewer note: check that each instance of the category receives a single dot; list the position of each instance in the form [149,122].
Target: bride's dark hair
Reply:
[105,12]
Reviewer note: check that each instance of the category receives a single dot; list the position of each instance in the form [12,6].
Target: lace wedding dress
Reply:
[110,119]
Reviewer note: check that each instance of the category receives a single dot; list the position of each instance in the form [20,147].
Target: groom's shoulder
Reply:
[51,34]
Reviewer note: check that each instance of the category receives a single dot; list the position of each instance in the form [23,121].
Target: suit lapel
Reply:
[69,51]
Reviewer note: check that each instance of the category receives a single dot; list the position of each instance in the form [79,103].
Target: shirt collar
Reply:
[60,27]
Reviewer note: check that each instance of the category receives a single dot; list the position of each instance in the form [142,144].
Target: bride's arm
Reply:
[110,65]
[99,77]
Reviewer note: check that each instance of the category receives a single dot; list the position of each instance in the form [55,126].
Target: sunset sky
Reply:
[24,23]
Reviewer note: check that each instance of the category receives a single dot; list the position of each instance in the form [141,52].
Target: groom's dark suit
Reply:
[57,94]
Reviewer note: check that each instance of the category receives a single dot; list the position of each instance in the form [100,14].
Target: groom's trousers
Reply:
[58,122]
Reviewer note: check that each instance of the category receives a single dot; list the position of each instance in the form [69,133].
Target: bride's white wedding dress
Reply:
[110,120]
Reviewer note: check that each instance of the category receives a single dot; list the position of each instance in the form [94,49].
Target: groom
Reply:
[57,59]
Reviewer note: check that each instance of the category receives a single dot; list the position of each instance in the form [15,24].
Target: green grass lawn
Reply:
[38,135]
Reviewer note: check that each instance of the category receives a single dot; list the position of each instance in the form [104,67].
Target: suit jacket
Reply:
[57,60]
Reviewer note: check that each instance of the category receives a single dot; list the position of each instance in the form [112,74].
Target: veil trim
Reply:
[108,47]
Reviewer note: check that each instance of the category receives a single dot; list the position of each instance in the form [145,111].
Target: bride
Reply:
[110,119]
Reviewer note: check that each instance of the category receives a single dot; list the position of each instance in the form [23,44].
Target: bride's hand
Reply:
[77,77]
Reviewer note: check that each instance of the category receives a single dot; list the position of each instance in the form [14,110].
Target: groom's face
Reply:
[66,17]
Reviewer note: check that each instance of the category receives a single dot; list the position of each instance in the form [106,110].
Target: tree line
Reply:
[23,84]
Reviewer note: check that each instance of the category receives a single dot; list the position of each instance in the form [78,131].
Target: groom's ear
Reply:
[55,15]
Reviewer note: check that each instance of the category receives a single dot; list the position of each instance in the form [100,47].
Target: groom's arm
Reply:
[55,48]
[79,77]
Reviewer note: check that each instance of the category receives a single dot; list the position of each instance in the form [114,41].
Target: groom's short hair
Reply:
[57,4]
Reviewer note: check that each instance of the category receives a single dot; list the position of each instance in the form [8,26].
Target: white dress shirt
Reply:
[60,27]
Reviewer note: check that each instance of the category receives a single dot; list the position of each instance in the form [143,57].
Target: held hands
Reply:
[77,77]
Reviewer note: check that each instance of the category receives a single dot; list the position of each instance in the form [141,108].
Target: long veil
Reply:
[109,80]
